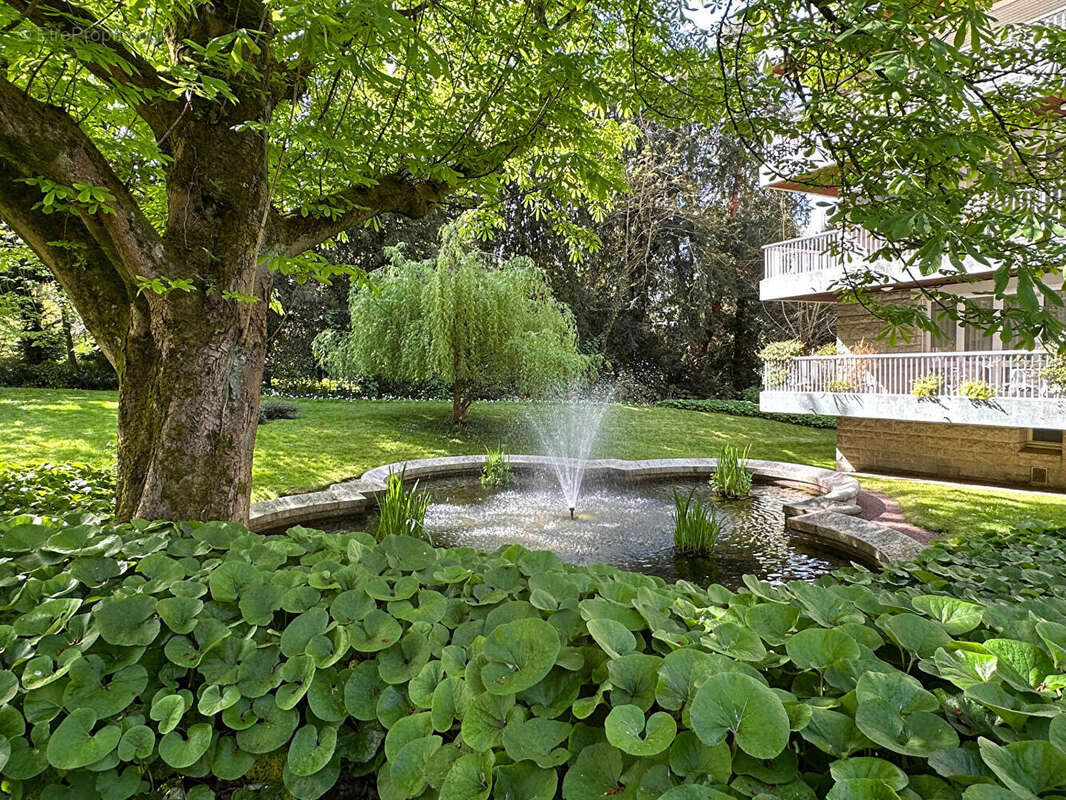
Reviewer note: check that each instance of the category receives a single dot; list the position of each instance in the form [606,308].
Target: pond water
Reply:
[628,527]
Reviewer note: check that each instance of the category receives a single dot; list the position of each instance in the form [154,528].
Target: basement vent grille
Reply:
[1038,475]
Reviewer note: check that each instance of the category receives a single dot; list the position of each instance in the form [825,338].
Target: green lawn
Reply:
[334,439]
[957,511]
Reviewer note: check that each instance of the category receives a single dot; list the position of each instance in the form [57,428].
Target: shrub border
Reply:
[829,518]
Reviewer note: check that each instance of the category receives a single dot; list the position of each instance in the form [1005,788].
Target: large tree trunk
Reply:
[188,410]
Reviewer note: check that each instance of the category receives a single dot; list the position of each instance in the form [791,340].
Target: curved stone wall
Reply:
[828,516]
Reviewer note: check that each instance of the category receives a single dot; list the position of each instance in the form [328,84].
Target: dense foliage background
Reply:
[664,290]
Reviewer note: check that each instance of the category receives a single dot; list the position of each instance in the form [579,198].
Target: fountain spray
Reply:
[567,432]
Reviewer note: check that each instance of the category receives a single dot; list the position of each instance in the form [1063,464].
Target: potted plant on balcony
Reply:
[927,386]
[778,356]
[840,385]
[977,390]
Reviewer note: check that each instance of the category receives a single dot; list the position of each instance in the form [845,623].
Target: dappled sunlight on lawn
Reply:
[961,510]
[334,440]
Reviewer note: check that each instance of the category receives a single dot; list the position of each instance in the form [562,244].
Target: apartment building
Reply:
[1013,437]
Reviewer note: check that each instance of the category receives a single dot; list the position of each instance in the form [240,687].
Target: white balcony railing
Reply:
[829,250]
[1009,374]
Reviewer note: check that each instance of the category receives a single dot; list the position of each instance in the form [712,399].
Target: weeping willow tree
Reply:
[459,318]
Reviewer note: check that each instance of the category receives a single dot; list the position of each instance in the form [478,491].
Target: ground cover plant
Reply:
[56,489]
[143,659]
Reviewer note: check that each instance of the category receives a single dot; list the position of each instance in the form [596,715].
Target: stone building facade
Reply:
[953,451]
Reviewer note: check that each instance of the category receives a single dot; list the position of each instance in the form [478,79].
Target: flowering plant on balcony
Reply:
[840,385]
[927,386]
[1056,373]
[977,390]
[777,356]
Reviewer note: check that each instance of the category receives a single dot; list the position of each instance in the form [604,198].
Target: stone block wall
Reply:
[855,324]
[952,452]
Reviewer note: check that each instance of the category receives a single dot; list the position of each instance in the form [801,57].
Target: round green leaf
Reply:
[612,636]
[536,740]
[520,654]
[273,729]
[957,616]
[731,701]
[408,769]
[179,613]
[376,631]
[183,751]
[167,710]
[1028,768]
[302,630]
[230,763]
[470,778]
[311,749]
[525,781]
[137,743]
[875,769]
[819,648]
[595,774]
[127,621]
[73,745]
[311,787]
[625,728]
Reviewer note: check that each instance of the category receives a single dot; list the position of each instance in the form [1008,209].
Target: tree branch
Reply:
[289,235]
[43,141]
[129,69]
[77,261]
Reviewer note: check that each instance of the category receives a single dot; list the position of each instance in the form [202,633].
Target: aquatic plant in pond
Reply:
[496,473]
[731,477]
[567,433]
[402,511]
[696,526]
[631,527]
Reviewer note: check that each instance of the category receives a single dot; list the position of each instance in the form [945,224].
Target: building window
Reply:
[953,336]
[1045,438]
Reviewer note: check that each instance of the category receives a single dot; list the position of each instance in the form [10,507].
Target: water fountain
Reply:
[628,524]
[567,433]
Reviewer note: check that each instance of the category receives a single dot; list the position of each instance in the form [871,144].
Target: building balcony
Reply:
[815,267]
[881,387]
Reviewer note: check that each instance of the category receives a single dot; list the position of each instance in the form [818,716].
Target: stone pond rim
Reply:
[828,518]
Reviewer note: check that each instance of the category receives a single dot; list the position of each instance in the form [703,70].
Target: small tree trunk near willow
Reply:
[462,397]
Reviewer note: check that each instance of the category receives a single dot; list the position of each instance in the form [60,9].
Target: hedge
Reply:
[168,660]
[745,408]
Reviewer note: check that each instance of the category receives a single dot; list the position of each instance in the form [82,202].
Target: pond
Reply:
[630,527]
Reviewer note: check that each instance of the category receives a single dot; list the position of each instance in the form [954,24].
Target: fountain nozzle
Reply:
[571,512]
